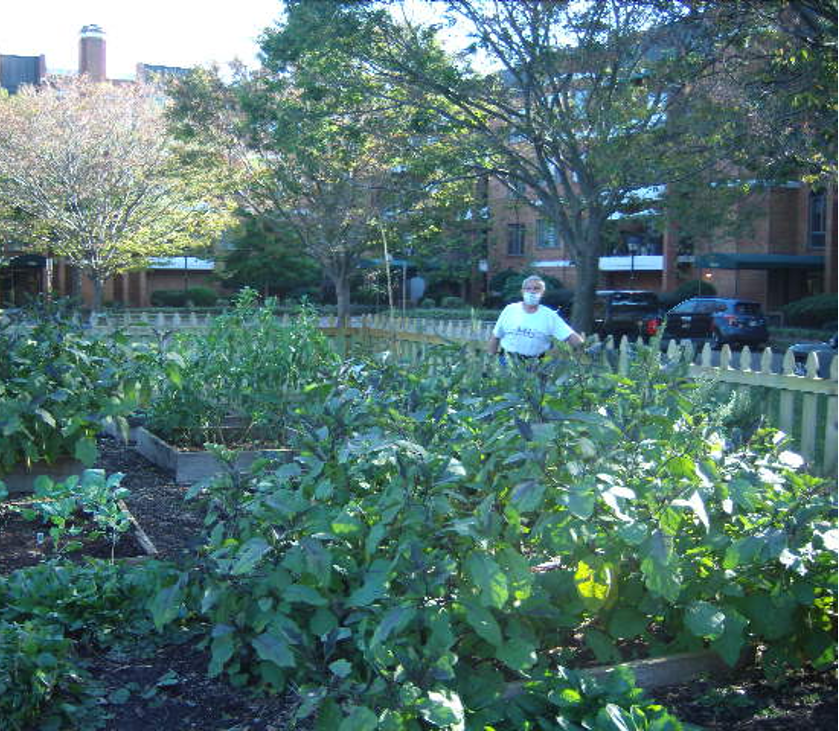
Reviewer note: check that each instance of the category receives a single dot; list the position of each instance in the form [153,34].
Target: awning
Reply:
[372,263]
[722,260]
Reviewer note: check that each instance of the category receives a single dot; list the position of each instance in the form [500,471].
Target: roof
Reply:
[190,263]
[726,260]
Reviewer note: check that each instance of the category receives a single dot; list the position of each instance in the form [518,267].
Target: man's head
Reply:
[532,290]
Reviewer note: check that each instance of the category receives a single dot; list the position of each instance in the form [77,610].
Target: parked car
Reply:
[718,320]
[826,352]
[630,312]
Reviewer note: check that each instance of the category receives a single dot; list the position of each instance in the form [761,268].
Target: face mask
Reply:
[531,298]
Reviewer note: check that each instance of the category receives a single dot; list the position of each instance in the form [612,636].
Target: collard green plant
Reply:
[65,506]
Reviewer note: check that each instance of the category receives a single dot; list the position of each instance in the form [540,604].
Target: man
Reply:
[526,329]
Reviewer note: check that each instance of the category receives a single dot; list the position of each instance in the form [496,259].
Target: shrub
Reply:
[452,302]
[428,302]
[168,298]
[686,290]
[201,296]
[818,311]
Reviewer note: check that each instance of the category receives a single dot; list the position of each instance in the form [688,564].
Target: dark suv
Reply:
[718,320]
[630,312]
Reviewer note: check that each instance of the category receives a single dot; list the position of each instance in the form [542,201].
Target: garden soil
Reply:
[167,688]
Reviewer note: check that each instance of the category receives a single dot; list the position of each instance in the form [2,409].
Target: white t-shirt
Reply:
[529,333]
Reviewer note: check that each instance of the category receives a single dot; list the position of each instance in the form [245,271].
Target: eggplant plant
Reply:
[57,384]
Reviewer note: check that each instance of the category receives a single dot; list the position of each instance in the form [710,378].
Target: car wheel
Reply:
[716,340]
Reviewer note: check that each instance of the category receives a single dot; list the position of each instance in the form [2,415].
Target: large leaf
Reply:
[483,622]
[443,709]
[273,648]
[705,620]
[221,648]
[488,577]
[85,451]
[517,654]
[359,718]
[249,555]
[394,620]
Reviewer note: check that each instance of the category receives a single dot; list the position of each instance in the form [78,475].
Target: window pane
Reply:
[515,239]
[546,237]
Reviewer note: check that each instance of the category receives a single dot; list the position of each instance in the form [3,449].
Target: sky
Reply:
[165,32]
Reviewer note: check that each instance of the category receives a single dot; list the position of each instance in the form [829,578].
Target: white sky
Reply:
[165,32]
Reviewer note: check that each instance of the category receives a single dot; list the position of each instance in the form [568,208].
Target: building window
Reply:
[546,235]
[515,239]
[817,222]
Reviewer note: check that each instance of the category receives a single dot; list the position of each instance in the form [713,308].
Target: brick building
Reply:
[789,253]
[23,275]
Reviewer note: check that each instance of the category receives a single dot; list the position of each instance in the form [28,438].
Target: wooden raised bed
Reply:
[190,466]
[22,479]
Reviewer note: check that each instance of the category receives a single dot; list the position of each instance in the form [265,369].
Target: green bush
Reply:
[427,302]
[196,296]
[201,296]
[168,298]
[452,302]
[818,311]
[686,290]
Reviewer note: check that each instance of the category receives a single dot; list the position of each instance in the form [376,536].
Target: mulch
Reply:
[167,688]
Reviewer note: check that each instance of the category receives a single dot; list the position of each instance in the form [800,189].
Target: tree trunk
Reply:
[588,275]
[98,287]
[342,295]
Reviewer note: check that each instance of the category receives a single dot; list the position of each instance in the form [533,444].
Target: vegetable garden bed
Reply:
[192,465]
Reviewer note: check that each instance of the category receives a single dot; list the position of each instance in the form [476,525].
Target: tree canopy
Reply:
[88,172]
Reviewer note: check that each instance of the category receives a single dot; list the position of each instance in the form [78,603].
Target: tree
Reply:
[583,109]
[348,175]
[781,67]
[88,172]
[268,260]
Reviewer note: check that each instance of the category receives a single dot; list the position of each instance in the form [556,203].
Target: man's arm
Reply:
[575,340]
[492,345]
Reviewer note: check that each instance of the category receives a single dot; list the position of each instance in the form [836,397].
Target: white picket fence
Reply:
[802,405]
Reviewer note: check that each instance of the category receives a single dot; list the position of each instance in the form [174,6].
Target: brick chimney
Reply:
[92,52]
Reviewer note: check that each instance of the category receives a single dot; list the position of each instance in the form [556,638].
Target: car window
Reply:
[685,308]
[706,308]
[747,308]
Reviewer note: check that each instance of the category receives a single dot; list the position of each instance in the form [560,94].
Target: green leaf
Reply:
[305,595]
[394,620]
[626,623]
[86,452]
[341,668]
[221,649]
[705,620]
[601,645]
[517,654]
[443,709]
[249,555]
[697,505]
[527,496]
[662,579]
[273,648]
[581,501]
[488,577]
[359,718]
[166,605]
[373,587]
[323,621]
[346,525]
[45,416]
[730,645]
[483,622]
